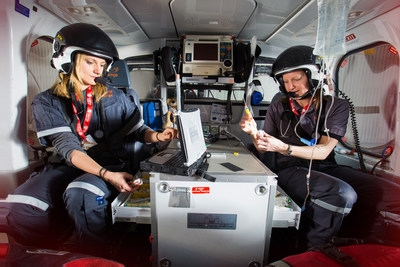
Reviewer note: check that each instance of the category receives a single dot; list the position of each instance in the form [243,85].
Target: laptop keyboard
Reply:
[177,161]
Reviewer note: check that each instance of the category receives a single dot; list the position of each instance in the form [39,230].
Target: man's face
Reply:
[296,82]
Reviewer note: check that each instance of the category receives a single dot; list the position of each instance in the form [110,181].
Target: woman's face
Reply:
[296,82]
[89,68]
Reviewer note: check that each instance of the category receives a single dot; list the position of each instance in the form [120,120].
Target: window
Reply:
[369,78]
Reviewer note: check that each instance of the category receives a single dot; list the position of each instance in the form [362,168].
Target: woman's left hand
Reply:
[248,125]
[266,142]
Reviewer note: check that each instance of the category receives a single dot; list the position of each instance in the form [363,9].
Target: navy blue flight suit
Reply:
[62,197]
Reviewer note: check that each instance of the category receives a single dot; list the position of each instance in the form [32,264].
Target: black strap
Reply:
[202,172]
[336,254]
[346,241]
[119,136]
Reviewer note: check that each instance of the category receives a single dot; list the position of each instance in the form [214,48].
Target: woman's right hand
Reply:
[248,124]
[122,181]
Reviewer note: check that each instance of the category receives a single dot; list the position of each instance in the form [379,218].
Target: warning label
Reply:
[393,50]
[201,190]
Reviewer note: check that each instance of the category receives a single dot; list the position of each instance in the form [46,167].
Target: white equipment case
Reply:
[196,222]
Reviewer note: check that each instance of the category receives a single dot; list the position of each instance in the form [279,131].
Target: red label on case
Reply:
[201,190]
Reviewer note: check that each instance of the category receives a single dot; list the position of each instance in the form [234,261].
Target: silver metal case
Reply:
[200,223]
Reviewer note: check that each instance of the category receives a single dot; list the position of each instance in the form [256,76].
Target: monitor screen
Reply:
[205,51]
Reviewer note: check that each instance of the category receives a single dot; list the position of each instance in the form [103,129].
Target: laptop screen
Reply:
[191,135]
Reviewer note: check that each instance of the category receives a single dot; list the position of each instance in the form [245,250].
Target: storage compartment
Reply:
[286,211]
[133,207]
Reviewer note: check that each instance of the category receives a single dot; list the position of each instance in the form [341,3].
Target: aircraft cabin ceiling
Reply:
[275,23]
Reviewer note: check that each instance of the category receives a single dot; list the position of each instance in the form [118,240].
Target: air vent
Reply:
[115,21]
[223,17]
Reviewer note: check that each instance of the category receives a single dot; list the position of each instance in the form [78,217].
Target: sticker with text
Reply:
[201,190]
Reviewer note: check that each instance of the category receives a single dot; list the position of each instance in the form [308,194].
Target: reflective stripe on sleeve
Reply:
[94,189]
[53,131]
[23,199]
[331,207]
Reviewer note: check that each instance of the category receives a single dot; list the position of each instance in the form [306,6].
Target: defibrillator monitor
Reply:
[210,55]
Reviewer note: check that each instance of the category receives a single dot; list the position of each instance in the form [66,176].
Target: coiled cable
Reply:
[355,130]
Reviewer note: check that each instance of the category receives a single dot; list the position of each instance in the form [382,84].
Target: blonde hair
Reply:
[61,88]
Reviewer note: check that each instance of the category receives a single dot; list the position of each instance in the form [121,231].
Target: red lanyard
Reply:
[88,116]
[294,109]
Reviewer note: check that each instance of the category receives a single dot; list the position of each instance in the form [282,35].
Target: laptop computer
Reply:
[185,158]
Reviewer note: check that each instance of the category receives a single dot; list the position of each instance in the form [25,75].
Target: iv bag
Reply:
[332,21]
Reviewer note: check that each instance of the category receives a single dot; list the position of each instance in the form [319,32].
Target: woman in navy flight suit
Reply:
[92,127]
[326,191]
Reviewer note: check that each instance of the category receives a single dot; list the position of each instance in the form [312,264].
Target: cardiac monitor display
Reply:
[205,51]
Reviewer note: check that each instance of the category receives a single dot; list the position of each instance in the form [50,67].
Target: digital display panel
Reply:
[205,51]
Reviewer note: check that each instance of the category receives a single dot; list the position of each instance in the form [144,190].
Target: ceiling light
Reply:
[354,14]
[89,9]
[74,11]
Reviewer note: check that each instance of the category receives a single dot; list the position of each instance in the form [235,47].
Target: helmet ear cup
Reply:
[63,61]
[67,67]
[281,84]
[312,82]
[256,98]
[308,73]
[257,95]
[56,47]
